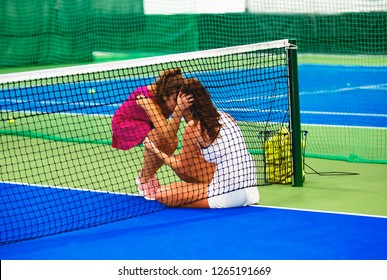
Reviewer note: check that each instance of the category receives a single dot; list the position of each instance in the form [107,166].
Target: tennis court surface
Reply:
[257,232]
[247,233]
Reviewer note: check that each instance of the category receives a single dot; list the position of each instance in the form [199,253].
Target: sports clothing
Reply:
[130,123]
[235,181]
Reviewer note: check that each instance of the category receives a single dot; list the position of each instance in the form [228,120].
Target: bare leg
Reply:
[196,174]
[151,162]
[198,204]
[182,194]
[194,169]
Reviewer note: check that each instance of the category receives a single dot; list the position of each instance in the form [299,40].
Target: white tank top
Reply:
[235,168]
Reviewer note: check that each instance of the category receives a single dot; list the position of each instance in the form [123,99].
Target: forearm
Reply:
[171,161]
[174,123]
[184,102]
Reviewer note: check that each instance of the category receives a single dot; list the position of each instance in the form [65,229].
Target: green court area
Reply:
[54,158]
[364,193]
[63,150]
[102,168]
[353,144]
[74,150]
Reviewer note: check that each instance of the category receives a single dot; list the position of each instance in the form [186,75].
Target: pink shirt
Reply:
[129,110]
[130,123]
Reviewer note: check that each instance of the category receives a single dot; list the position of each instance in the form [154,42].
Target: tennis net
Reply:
[58,170]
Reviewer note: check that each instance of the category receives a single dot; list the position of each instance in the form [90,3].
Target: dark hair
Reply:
[169,82]
[203,109]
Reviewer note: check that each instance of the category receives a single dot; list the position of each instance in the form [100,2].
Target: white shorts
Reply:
[238,198]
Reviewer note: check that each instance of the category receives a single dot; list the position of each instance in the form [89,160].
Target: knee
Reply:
[171,145]
[182,168]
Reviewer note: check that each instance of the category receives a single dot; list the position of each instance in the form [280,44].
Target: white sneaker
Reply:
[149,189]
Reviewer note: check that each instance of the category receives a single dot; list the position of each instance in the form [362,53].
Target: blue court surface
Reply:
[248,233]
[343,95]
[329,94]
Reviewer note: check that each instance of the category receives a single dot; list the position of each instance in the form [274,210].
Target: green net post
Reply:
[295,121]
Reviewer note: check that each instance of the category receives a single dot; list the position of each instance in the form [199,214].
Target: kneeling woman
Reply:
[215,167]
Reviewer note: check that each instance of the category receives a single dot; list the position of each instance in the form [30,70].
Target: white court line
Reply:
[261,206]
[67,188]
[345,126]
[348,88]
[320,211]
[50,102]
[37,112]
[116,105]
[344,114]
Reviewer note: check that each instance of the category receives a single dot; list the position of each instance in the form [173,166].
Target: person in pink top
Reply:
[154,111]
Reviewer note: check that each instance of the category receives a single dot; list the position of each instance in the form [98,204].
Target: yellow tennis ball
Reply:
[11,121]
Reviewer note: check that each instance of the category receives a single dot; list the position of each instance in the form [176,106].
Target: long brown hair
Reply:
[169,82]
[203,109]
